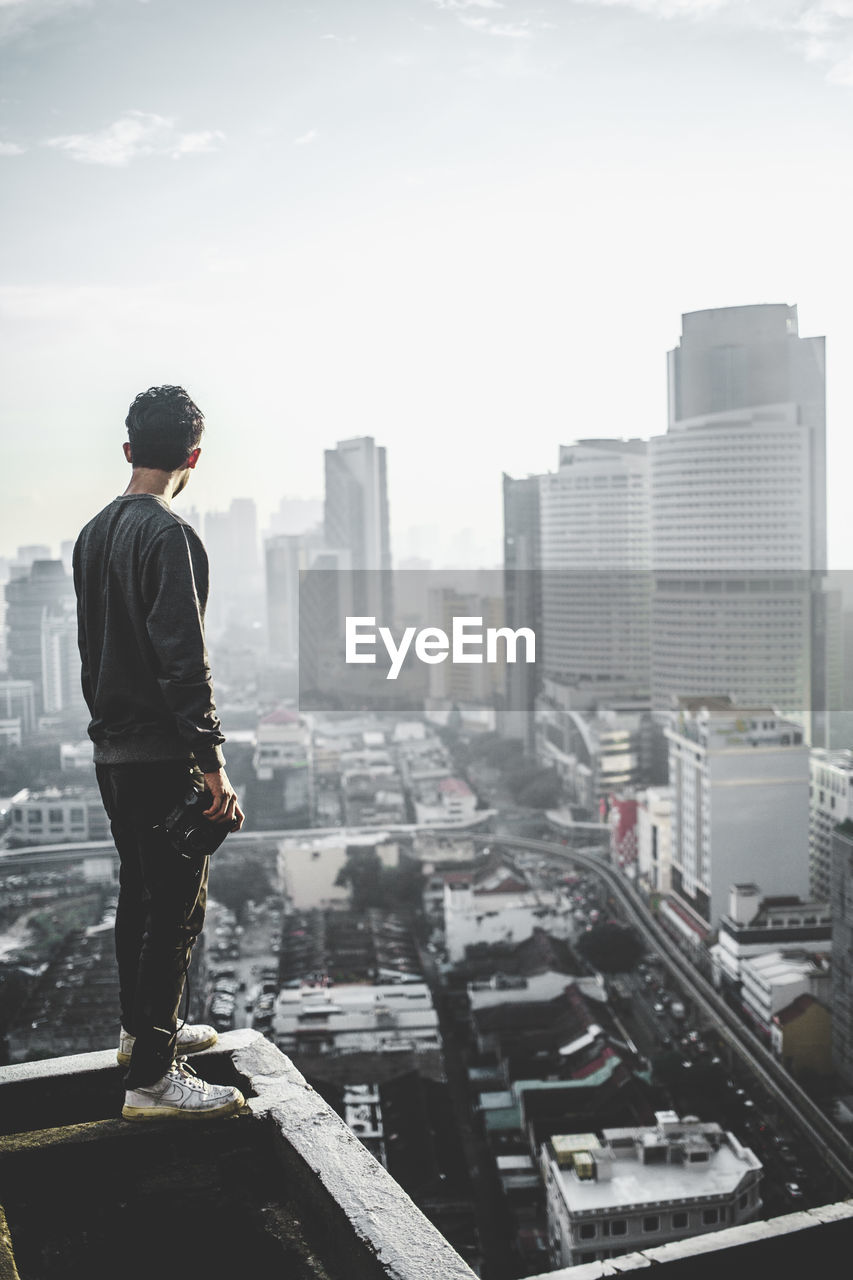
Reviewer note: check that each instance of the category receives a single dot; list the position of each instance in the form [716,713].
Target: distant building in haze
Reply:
[356,520]
[738,512]
[739,777]
[41,590]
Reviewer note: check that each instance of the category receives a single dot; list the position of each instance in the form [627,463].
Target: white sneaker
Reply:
[181,1093]
[192,1038]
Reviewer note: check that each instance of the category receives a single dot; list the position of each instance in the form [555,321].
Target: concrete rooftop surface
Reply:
[284,1189]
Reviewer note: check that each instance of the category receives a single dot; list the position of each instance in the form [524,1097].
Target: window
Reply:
[618,1227]
[54,815]
[587,1231]
[710,1216]
[679,1220]
[651,1223]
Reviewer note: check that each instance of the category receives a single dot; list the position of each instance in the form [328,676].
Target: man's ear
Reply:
[193,459]
[127,453]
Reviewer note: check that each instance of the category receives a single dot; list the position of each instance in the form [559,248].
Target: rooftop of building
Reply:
[672,1161]
[770,913]
[802,1004]
[517,989]
[283,1188]
[779,967]
[59,794]
[836,758]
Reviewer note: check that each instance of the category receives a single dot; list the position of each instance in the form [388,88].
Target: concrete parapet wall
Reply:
[314,1177]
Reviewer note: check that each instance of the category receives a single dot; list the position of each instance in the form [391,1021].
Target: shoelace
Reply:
[188,1074]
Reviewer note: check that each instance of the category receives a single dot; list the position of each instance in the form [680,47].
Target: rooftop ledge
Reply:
[784,1246]
[284,1188]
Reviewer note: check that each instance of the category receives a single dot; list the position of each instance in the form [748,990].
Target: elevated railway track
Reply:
[803,1113]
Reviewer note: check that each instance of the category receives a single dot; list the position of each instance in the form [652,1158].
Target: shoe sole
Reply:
[183,1113]
[123,1059]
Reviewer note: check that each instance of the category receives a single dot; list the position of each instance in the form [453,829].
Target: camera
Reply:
[193,835]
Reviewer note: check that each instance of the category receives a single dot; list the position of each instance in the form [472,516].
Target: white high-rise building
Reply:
[738,499]
[830,803]
[739,777]
[595,550]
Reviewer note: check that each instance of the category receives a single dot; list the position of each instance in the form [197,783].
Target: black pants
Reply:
[161,906]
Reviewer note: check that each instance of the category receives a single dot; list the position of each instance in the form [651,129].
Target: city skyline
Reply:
[465,227]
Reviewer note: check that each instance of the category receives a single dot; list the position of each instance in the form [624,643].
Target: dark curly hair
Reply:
[163,427]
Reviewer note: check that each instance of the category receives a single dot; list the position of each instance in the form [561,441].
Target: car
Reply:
[794,1190]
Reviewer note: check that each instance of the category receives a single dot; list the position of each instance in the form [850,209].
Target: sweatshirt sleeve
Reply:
[174,588]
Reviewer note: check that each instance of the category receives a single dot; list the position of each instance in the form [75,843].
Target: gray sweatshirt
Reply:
[141,577]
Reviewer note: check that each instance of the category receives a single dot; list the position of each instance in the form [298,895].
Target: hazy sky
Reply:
[468,228]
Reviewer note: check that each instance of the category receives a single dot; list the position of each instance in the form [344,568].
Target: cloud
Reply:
[19,16]
[665,8]
[468,12]
[305,138]
[11,149]
[468,4]
[820,31]
[134,135]
[509,30]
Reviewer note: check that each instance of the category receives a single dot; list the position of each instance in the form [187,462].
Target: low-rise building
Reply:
[448,801]
[622,820]
[595,750]
[54,816]
[755,925]
[634,1188]
[436,856]
[474,918]
[801,1035]
[770,983]
[357,1018]
[654,837]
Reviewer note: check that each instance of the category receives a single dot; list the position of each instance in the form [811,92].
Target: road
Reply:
[791,1100]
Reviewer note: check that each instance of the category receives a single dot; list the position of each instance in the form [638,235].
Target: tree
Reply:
[241,876]
[611,947]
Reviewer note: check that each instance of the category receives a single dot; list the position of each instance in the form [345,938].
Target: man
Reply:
[141,577]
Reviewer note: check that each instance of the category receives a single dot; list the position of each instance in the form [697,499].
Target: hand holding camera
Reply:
[199,824]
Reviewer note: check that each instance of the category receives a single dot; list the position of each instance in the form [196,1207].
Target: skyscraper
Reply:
[236,585]
[286,556]
[738,510]
[595,557]
[355,519]
[40,591]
